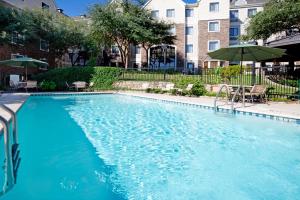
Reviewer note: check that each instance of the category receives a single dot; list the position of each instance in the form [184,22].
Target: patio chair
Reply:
[168,87]
[69,87]
[90,87]
[258,92]
[12,85]
[31,85]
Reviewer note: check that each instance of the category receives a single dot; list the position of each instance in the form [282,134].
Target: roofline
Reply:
[147,3]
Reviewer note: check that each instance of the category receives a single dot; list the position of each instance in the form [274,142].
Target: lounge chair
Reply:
[90,87]
[70,87]
[258,92]
[168,87]
[12,85]
[31,85]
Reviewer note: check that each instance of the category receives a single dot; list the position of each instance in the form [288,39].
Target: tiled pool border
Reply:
[223,110]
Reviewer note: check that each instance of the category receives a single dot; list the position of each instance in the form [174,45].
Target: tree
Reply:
[59,31]
[277,16]
[10,21]
[125,24]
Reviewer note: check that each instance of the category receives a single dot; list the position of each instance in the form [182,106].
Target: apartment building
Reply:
[200,27]
[17,47]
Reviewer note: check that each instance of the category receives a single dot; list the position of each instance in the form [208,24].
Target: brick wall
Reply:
[31,50]
[180,45]
[205,36]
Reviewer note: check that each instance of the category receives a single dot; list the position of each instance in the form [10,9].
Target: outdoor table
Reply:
[79,85]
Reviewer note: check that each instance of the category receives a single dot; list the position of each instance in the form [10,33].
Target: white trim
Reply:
[219,23]
[212,41]
[214,2]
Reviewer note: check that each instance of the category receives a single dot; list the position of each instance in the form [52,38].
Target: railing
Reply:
[282,81]
[218,95]
[11,149]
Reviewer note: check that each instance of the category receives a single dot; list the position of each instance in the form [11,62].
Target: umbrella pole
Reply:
[26,73]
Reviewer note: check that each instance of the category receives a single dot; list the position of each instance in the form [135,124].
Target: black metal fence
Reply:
[282,81]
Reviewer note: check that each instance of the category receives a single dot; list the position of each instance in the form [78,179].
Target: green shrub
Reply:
[185,93]
[198,89]
[174,91]
[183,82]
[157,90]
[48,85]
[148,90]
[229,72]
[103,77]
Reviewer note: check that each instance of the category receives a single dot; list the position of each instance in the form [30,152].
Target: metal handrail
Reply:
[9,175]
[218,94]
[234,96]
[14,122]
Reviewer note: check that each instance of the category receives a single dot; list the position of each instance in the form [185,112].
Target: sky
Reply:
[79,7]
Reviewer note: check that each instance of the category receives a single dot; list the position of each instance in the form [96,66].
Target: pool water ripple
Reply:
[167,151]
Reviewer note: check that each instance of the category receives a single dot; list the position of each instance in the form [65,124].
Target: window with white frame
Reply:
[155,14]
[189,30]
[213,26]
[12,56]
[234,15]
[137,49]
[189,12]
[214,7]
[213,45]
[115,49]
[234,32]
[44,45]
[172,30]
[189,48]
[170,13]
[17,38]
[252,12]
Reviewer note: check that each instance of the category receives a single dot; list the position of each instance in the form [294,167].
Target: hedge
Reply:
[102,77]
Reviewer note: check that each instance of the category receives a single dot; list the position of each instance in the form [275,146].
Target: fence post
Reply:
[259,76]
[164,75]
[299,91]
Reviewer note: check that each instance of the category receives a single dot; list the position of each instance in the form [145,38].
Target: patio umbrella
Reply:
[246,52]
[24,62]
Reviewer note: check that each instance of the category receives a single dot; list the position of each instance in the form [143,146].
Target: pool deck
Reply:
[280,109]
[287,110]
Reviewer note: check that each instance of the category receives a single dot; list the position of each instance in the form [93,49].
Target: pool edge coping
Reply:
[276,117]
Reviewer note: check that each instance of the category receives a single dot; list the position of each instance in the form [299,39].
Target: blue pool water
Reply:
[119,147]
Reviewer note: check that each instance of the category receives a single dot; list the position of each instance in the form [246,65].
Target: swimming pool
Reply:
[120,147]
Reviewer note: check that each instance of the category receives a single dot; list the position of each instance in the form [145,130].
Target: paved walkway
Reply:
[12,100]
[290,110]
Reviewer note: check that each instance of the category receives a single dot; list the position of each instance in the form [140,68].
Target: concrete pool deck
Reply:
[287,110]
[280,109]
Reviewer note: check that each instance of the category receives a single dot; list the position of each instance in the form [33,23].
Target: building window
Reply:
[137,49]
[155,14]
[234,15]
[190,67]
[213,45]
[214,26]
[170,12]
[114,49]
[44,45]
[172,30]
[189,12]
[189,48]
[12,56]
[234,32]
[214,7]
[45,6]
[189,30]
[252,12]
[17,38]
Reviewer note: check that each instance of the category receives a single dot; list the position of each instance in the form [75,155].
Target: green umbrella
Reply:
[24,62]
[246,52]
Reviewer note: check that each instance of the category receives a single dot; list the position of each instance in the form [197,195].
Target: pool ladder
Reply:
[12,152]
[232,100]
